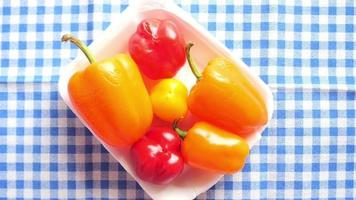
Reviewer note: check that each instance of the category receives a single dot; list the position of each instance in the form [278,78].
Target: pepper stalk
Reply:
[179,131]
[193,66]
[69,37]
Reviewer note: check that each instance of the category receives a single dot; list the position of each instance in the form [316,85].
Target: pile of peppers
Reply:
[112,98]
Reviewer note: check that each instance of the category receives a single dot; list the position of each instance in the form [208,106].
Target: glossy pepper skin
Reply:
[169,99]
[157,156]
[208,147]
[158,48]
[226,97]
[111,98]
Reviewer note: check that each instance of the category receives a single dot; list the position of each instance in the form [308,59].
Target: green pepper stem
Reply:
[179,131]
[193,66]
[79,44]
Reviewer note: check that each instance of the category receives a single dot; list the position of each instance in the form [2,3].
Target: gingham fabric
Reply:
[304,50]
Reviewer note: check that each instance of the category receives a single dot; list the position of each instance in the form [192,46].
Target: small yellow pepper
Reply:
[169,99]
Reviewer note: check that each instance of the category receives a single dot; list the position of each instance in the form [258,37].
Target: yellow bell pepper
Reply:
[169,99]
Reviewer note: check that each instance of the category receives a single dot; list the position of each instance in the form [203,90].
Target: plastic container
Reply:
[115,38]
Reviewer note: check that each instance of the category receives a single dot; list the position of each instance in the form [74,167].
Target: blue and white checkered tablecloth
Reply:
[304,50]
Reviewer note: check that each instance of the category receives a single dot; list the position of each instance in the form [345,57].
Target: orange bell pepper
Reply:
[111,97]
[208,147]
[226,97]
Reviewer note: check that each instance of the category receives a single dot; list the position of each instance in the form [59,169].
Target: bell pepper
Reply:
[111,97]
[158,48]
[226,97]
[156,156]
[169,99]
[208,147]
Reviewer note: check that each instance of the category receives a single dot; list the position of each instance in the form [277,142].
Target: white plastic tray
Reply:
[115,38]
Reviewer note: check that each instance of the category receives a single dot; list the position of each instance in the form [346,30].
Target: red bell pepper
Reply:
[158,48]
[157,156]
